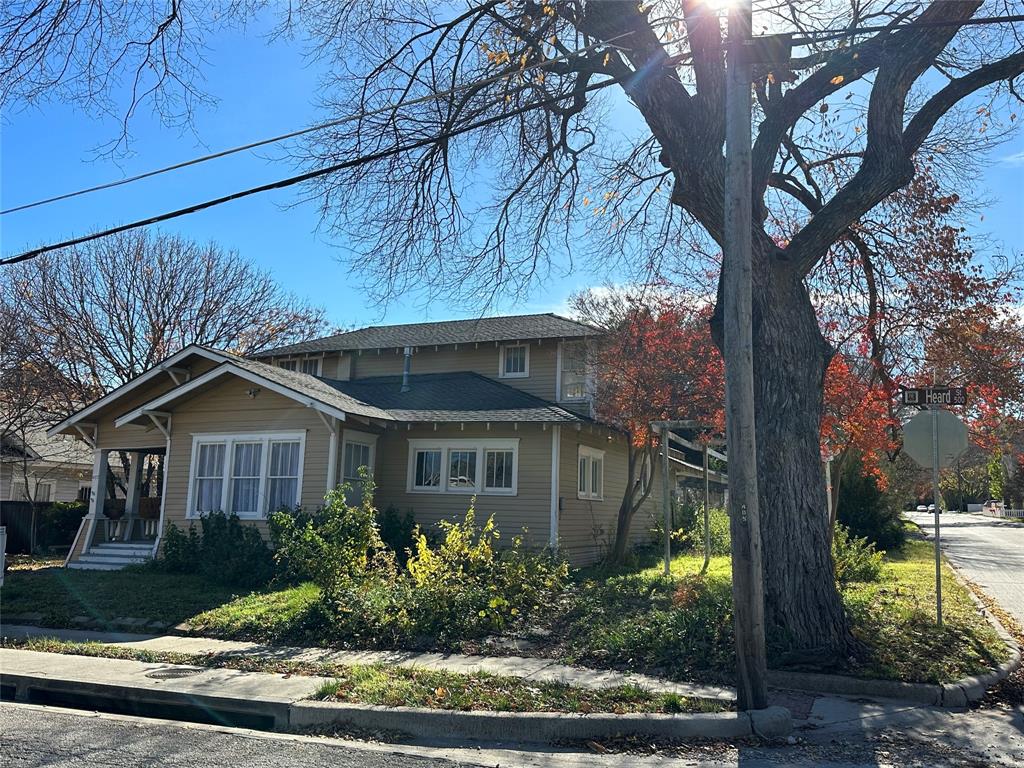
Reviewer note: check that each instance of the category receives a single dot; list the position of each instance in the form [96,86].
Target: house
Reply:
[496,408]
[44,469]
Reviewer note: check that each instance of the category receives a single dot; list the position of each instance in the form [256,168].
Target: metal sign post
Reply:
[935,498]
[934,438]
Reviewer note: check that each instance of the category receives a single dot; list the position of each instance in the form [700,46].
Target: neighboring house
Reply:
[496,408]
[44,469]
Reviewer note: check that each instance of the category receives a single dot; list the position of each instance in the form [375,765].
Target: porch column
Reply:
[100,468]
[134,492]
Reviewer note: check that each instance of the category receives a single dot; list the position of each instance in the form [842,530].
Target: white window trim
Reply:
[359,438]
[319,360]
[501,363]
[558,378]
[481,447]
[20,489]
[588,453]
[228,441]
[280,364]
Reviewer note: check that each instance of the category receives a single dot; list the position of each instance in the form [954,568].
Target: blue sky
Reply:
[264,88]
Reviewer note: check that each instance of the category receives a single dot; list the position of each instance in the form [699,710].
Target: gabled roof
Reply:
[485,329]
[39,447]
[159,369]
[309,390]
[453,397]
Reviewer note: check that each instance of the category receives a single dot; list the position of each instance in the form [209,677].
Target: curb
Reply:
[973,688]
[541,727]
[955,695]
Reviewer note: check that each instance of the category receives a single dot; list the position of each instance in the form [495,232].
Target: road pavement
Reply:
[33,736]
[987,551]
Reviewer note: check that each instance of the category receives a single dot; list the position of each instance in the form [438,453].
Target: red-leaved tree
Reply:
[657,362]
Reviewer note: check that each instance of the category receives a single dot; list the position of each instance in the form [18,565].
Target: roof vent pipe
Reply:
[405,369]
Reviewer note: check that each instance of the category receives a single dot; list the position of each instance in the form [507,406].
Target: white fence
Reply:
[1004,513]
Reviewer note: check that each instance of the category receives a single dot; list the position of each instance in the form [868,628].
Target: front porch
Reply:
[124,521]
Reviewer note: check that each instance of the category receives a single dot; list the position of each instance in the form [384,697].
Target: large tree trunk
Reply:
[804,614]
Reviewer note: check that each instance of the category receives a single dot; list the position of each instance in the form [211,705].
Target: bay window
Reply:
[249,475]
[482,466]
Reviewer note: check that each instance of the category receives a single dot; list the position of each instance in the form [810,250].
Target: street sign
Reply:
[935,396]
[951,433]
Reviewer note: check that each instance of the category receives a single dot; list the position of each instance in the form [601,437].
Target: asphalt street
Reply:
[33,736]
[988,551]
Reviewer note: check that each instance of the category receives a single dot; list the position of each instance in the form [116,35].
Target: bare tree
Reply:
[529,159]
[114,308]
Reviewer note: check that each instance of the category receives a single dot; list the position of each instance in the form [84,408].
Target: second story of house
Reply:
[544,354]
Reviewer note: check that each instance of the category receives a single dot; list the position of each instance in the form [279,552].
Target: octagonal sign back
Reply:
[917,438]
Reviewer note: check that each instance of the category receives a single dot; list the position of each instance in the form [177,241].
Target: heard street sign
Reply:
[935,396]
[951,434]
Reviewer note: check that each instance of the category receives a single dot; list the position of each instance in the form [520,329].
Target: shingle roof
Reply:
[448,397]
[510,328]
[313,386]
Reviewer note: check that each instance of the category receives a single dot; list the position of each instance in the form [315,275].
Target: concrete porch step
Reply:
[113,556]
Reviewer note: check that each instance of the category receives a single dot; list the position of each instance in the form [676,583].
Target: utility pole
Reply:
[707,514]
[744,514]
[666,499]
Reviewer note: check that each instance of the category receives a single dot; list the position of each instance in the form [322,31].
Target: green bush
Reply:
[59,523]
[866,510]
[223,551]
[397,531]
[856,559]
[693,537]
[180,550]
[461,587]
[337,543]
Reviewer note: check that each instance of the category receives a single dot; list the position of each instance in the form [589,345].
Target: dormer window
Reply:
[515,361]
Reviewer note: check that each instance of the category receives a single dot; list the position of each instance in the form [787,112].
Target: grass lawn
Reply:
[895,618]
[60,594]
[400,686]
[635,619]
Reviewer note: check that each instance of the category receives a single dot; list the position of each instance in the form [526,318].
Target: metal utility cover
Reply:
[917,438]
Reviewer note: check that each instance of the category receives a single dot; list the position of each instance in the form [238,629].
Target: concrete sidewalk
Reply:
[542,670]
[996,736]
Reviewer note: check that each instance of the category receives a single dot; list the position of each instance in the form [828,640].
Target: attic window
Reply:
[515,361]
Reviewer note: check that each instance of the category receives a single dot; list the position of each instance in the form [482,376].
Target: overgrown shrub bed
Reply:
[356,590]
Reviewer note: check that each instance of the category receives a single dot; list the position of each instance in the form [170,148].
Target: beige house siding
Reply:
[586,527]
[482,358]
[529,508]
[130,435]
[227,409]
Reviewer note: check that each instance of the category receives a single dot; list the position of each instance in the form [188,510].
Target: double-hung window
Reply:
[573,380]
[357,453]
[590,479]
[311,365]
[289,365]
[515,361]
[484,466]
[283,474]
[246,474]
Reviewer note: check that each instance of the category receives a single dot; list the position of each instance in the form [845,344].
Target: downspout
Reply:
[406,368]
[556,443]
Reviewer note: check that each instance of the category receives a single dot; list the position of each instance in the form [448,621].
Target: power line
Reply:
[432,96]
[809,37]
[819,36]
[293,180]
